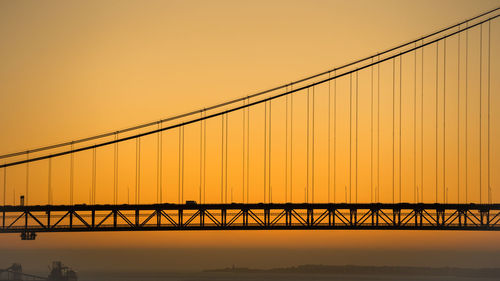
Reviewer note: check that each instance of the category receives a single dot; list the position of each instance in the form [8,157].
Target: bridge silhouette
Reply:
[398,140]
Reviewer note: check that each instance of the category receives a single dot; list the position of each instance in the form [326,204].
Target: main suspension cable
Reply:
[231,109]
[252,95]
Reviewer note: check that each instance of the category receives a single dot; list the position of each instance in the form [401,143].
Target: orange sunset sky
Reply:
[75,69]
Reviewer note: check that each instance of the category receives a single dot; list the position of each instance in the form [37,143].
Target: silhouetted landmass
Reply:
[372,270]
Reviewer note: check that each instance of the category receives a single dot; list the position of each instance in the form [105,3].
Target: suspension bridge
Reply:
[402,139]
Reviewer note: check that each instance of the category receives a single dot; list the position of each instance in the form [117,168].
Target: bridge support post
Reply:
[115,218]
[223,214]
[485,218]
[181,216]
[26,220]
[71,219]
[202,217]
[374,217]
[244,216]
[421,215]
[354,217]
[310,217]
[136,217]
[158,218]
[267,217]
[440,217]
[396,217]
[331,217]
[93,218]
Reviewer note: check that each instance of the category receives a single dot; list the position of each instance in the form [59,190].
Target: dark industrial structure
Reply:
[58,272]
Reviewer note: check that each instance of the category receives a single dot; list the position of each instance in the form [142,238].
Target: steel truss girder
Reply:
[81,218]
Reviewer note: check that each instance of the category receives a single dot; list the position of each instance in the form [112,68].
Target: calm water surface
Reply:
[229,276]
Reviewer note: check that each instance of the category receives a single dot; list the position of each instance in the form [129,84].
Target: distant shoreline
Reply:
[369,270]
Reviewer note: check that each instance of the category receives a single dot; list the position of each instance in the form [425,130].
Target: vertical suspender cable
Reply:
[265,149]
[27,178]
[329,139]
[356,144]
[248,153]
[49,195]
[437,77]
[307,150]
[222,161]
[182,178]
[225,172]
[393,124]
[466,111]
[445,197]
[291,144]
[378,130]
[201,158]
[334,136]
[350,137]
[115,172]
[371,135]
[71,176]
[204,158]
[458,118]
[179,182]
[415,125]
[400,124]
[489,101]
[138,170]
[422,128]
[243,154]
[480,114]
[270,188]
[4,185]
[312,148]
[181,191]
[94,175]
[160,164]
[286,146]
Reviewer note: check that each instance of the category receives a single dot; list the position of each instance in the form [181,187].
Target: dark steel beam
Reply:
[27,220]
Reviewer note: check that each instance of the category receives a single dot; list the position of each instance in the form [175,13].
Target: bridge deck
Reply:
[28,220]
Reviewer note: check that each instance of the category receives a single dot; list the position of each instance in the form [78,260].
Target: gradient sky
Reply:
[76,69]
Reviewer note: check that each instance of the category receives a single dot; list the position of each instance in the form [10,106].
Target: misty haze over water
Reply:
[169,264]
[263,276]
